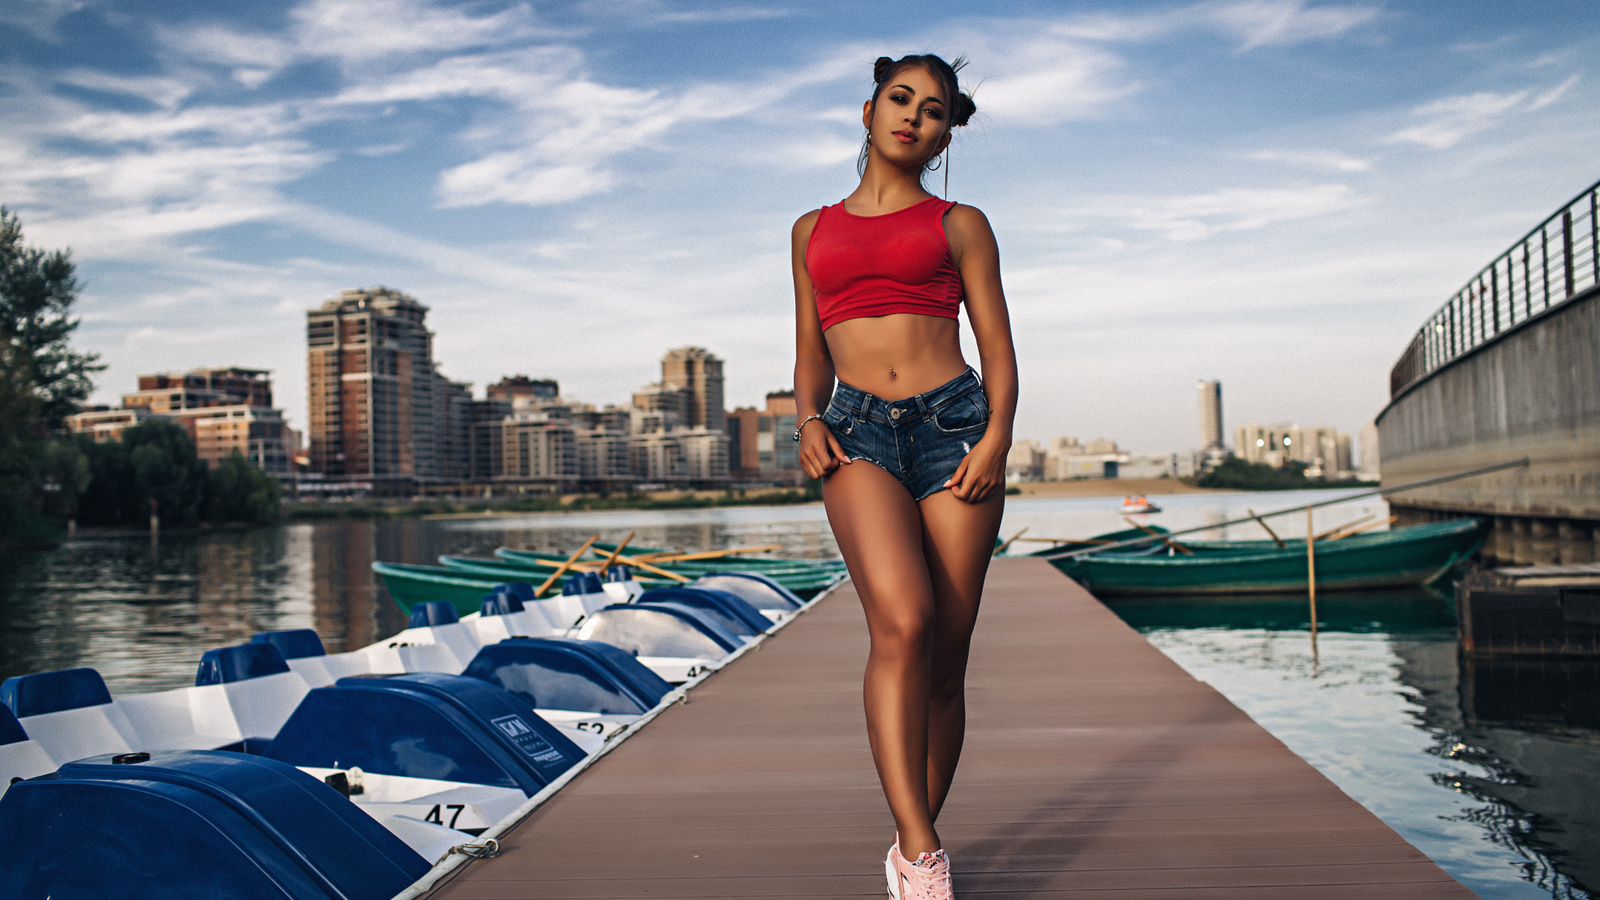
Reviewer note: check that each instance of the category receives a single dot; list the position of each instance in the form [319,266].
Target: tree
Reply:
[20,441]
[154,460]
[37,290]
[237,491]
[1237,474]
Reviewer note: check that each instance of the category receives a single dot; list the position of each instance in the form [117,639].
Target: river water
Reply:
[1493,770]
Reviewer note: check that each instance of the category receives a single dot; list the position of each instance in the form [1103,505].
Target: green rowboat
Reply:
[1404,557]
[410,585]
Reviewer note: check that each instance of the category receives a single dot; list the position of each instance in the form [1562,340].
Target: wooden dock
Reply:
[1094,767]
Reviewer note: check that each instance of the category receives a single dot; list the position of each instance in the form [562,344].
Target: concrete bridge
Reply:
[1509,367]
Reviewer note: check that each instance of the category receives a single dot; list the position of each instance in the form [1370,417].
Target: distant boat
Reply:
[1138,505]
[1404,557]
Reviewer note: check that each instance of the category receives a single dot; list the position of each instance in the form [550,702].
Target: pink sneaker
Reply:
[926,879]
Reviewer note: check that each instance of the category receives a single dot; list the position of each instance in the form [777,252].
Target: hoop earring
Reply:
[861,158]
[933,165]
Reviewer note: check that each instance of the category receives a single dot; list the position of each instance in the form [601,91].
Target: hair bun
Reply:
[964,108]
[881,68]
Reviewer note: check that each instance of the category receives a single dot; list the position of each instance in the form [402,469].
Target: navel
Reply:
[893,373]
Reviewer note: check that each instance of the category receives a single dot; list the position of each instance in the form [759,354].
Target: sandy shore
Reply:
[1111,487]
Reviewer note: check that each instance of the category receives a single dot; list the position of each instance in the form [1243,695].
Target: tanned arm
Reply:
[977,258]
[820,452]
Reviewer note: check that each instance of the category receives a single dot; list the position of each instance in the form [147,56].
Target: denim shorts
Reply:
[919,440]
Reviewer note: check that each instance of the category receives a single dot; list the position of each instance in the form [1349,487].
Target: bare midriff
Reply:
[896,356]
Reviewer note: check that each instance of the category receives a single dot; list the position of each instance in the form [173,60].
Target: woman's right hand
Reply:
[820,452]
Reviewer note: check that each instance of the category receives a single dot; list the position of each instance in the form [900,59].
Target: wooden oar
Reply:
[615,552]
[1409,486]
[1002,548]
[1367,527]
[1335,530]
[562,569]
[705,554]
[1151,531]
[1042,540]
[1263,523]
[641,564]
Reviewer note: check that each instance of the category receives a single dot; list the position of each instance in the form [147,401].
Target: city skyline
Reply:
[1273,194]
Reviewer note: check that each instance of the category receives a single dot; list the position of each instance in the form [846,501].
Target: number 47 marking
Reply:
[435,815]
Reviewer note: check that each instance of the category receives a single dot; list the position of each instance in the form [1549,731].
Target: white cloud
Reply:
[1321,160]
[159,90]
[650,13]
[1192,217]
[1556,93]
[729,14]
[1252,23]
[519,178]
[1449,121]
[38,17]
[1274,23]
[360,30]
[1047,82]
[227,47]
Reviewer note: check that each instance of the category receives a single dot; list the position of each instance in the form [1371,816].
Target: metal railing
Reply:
[1553,263]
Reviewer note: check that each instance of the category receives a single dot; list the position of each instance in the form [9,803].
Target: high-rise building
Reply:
[452,416]
[698,373]
[376,413]
[1210,415]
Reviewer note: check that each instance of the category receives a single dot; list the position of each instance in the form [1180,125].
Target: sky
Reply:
[1271,193]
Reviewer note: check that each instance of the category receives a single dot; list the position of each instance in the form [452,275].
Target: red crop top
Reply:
[864,266]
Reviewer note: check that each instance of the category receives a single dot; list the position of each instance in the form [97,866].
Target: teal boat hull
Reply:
[410,585]
[1405,557]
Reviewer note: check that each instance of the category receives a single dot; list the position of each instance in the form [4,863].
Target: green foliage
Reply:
[236,491]
[391,509]
[156,461]
[41,381]
[37,290]
[166,469]
[1237,474]
[21,445]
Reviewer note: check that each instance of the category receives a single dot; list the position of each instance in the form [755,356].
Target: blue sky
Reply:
[1270,192]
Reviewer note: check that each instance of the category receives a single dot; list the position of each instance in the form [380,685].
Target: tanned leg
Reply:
[958,541]
[879,531]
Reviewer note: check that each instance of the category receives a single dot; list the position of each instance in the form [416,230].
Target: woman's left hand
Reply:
[980,473]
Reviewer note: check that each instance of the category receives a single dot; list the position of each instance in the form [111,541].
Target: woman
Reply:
[911,447]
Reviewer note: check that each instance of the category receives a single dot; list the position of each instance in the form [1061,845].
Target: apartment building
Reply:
[223,410]
[380,411]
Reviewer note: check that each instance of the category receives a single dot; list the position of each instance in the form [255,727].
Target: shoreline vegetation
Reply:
[292,511]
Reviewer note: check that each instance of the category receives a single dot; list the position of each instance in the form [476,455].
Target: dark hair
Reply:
[961,105]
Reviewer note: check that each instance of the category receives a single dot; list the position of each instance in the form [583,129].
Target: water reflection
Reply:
[142,612]
[1490,767]
[1531,730]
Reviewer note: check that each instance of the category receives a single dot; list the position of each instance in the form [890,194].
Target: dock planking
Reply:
[1094,766]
